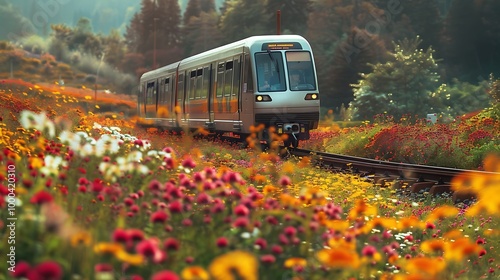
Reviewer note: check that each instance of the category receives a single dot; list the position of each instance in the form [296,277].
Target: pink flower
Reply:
[149,249]
[241,210]
[268,259]
[261,242]
[369,251]
[175,207]
[221,242]
[171,244]
[46,270]
[290,231]
[165,275]
[21,271]
[103,267]
[241,222]
[159,217]
[120,235]
[285,180]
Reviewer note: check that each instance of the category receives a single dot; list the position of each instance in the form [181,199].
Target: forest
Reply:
[363,49]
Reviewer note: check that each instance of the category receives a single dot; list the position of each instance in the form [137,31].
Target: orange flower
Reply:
[294,262]
[441,213]
[461,248]
[241,264]
[339,258]
[80,238]
[433,245]
[492,163]
[362,209]
[409,222]
[194,273]
[428,267]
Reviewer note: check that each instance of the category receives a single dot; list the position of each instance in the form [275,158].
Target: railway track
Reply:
[412,178]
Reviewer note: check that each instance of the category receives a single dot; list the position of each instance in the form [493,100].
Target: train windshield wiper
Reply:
[275,62]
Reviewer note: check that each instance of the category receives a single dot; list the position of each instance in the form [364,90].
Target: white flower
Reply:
[52,165]
[39,122]
[134,156]
[97,126]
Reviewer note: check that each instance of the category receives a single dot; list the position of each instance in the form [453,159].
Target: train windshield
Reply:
[300,70]
[270,71]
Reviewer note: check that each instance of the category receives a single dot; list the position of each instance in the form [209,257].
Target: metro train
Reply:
[265,80]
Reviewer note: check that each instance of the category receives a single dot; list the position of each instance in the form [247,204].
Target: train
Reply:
[266,81]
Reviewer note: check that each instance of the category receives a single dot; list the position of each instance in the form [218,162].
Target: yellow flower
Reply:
[194,273]
[294,262]
[107,248]
[81,238]
[339,258]
[133,259]
[234,265]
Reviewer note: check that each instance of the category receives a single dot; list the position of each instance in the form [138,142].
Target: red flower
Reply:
[267,259]
[175,207]
[276,249]
[103,267]
[135,234]
[97,185]
[49,270]
[290,231]
[120,235]
[165,275]
[154,185]
[171,244]
[159,217]
[188,163]
[41,197]
[241,222]
[21,271]
[241,210]
[261,242]
[221,242]
[149,249]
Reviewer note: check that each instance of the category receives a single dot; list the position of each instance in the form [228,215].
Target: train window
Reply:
[270,71]
[300,70]
[167,83]
[150,92]
[237,73]
[180,89]
[206,83]
[192,85]
[199,82]
[220,79]
[228,78]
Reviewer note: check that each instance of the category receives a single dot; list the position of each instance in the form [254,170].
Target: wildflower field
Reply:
[89,195]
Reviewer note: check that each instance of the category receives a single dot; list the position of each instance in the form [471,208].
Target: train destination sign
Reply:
[281,46]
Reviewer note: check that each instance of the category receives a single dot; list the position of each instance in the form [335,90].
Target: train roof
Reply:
[247,42]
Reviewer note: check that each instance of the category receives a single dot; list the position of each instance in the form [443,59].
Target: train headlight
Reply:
[263,98]
[312,96]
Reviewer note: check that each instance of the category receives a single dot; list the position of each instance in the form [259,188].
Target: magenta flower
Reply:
[267,259]
[171,244]
[41,197]
[159,217]
[165,275]
[222,242]
[241,210]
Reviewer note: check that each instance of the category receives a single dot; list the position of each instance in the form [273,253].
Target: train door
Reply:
[179,103]
[235,107]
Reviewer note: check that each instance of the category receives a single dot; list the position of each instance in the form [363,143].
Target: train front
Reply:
[286,95]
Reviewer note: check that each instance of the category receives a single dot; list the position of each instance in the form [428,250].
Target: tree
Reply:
[241,19]
[294,14]
[193,9]
[406,84]
[201,34]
